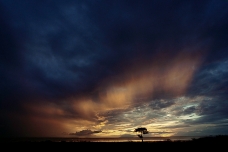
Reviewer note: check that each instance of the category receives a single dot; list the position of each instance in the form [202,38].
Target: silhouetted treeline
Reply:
[212,139]
[206,139]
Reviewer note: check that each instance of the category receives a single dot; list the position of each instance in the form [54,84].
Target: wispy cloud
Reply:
[85,133]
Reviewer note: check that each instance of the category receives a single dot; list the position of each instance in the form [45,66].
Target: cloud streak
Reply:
[85,133]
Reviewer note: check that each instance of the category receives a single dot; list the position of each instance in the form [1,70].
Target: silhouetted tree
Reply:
[141,131]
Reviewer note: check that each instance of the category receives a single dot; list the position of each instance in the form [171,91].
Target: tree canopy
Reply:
[142,131]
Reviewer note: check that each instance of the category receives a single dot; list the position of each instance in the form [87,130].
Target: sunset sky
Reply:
[101,68]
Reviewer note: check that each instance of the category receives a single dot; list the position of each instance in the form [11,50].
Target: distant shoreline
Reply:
[174,139]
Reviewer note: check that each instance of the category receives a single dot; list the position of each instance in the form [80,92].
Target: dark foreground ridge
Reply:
[219,143]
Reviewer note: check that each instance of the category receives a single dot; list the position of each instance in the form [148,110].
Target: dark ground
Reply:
[212,143]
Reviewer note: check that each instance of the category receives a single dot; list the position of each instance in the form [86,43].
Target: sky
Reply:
[98,68]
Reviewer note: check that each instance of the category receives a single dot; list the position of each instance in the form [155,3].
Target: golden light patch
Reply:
[170,76]
[115,97]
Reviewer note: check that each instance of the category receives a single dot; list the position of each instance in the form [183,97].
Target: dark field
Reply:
[210,143]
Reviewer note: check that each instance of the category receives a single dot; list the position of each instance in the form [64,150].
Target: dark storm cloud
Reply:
[58,47]
[66,43]
[213,111]
[174,23]
[85,133]
[189,110]
[211,80]
[186,111]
